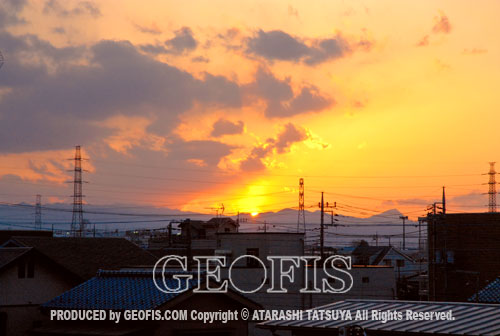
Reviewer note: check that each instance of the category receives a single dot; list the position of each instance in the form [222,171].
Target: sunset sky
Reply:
[189,105]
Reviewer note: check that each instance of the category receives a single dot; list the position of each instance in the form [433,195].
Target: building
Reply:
[36,269]
[260,244]
[368,281]
[197,229]
[135,290]
[27,278]
[462,319]
[489,294]
[406,269]
[464,254]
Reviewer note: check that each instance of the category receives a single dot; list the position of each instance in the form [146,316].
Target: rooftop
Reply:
[489,294]
[117,290]
[85,256]
[470,318]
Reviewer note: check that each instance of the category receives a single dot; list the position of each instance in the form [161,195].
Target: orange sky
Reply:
[376,103]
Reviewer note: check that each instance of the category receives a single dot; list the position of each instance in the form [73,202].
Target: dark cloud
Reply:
[9,12]
[223,127]
[51,108]
[278,45]
[231,39]
[183,41]
[441,24]
[58,30]
[81,8]
[281,101]
[281,144]
[200,59]
[206,151]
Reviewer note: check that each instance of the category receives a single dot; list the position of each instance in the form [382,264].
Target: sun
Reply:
[254,214]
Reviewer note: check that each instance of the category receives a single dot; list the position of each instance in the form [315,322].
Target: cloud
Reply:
[151,29]
[280,98]
[441,24]
[55,101]
[82,8]
[292,11]
[58,30]
[424,41]
[282,143]
[183,41]
[200,59]
[278,45]
[206,151]
[9,12]
[474,51]
[223,127]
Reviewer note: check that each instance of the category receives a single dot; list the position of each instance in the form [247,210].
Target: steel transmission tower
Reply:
[301,220]
[77,223]
[492,189]
[38,213]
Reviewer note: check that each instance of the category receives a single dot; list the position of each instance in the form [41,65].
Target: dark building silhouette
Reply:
[7,234]
[464,254]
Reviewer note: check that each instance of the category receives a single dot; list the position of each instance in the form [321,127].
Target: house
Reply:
[197,229]
[27,278]
[404,265]
[489,294]
[5,235]
[129,289]
[200,237]
[462,319]
[83,257]
[406,269]
[36,269]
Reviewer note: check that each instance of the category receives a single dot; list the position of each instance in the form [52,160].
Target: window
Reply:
[387,262]
[3,323]
[438,257]
[31,268]
[365,279]
[21,269]
[227,230]
[450,257]
[400,263]
[252,262]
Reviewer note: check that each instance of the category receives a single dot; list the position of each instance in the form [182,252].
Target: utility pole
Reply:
[404,218]
[443,201]
[170,234]
[38,213]
[301,219]
[322,233]
[189,251]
